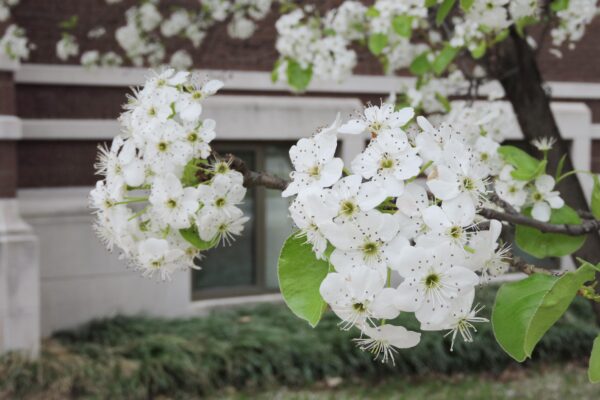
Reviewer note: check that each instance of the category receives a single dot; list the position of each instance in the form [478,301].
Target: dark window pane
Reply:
[231,266]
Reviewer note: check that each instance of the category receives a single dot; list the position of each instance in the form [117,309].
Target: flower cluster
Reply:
[397,244]
[13,42]
[324,45]
[573,20]
[164,197]
[143,36]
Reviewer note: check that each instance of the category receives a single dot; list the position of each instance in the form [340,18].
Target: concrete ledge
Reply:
[8,64]
[52,74]
[10,128]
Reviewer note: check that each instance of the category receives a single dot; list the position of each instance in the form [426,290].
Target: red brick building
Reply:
[53,115]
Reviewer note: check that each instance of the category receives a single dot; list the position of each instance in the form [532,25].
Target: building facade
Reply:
[54,272]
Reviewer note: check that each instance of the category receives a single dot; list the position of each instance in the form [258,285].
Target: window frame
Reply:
[259,231]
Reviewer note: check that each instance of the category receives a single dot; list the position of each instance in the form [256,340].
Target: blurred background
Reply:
[56,276]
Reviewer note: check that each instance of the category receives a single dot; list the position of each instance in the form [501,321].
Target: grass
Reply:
[548,383]
[252,350]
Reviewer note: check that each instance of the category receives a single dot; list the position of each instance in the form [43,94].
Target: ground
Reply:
[553,382]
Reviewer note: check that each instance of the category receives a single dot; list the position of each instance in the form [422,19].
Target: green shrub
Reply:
[139,357]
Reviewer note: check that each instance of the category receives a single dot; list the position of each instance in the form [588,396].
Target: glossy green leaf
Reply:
[275,71]
[443,11]
[444,58]
[542,245]
[402,25]
[192,237]
[430,3]
[190,172]
[300,275]
[420,64]
[466,4]
[522,23]
[596,198]
[479,51]
[525,310]
[559,5]
[594,365]
[377,43]
[372,12]
[443,101]
[298,77]
[526,166]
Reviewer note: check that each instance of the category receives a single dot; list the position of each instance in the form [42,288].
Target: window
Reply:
[249,265]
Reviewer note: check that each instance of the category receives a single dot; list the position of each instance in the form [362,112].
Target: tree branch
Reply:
[253,178]
[586,227]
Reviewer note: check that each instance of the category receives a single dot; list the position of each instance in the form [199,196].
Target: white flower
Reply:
[240,27]
[221,195]
[382,341]
[544,143]
[388,161]
[221,227]
[121,162]
[189,104]
[509,189]
[434,278]
[156,257]
[486,255]
[370,239]
[458,178]
[181,59]
[411,204]
[460,319]
[377,120]
[309,213]
[67,47]
[544,198]
[314,164]
[447,225]
[358,296]
[173,204]
[345,198]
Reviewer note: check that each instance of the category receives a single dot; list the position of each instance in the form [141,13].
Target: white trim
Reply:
[8,64]
[10,127]
[595,131]
[204,306]
[54,202]
[258,81]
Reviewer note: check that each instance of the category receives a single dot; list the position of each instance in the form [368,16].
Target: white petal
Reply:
[541,211]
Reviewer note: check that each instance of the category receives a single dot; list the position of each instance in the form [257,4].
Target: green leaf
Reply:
[430,3]
[300,275]
[525,310]
[596,198]
[372,12]
[298,77]
[190,171]
[479,51]
[191,235]
[594,366]
[444,58]
[443,11]
[70,23]
[466,4]
[560,166]
[503,34]
[524,22]
[542,245]
[420,64]
[526,166]
[402,25]
[377,43]
[275,71]
[443,101]
[559,5]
